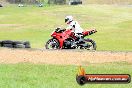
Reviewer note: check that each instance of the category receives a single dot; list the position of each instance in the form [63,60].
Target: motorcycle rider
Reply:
[74,25]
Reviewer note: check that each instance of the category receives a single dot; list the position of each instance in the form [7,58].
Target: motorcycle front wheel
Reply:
[52,44]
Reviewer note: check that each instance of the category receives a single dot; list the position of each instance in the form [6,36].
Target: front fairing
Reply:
[61,37]
[53,34]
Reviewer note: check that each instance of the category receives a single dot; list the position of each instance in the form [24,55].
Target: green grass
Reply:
[114,24]
[27,75]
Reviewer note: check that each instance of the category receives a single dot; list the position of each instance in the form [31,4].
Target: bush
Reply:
[60,2]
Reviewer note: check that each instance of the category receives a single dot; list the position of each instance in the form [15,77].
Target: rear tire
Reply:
[91,44]
[52,44]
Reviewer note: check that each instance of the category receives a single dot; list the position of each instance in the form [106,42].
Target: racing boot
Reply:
[80,38]
[74,45]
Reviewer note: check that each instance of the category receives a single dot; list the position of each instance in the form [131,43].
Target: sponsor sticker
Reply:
[83,78]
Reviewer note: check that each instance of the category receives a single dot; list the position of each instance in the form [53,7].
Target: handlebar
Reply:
[92,31]
[59,30]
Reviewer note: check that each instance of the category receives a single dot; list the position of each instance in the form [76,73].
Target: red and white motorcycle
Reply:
[64,39]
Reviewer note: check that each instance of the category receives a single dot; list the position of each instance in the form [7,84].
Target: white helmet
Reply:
[68,19]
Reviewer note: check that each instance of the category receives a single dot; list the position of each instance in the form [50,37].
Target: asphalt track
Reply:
[61,57]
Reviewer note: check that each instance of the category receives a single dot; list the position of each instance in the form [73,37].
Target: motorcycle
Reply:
[66,39]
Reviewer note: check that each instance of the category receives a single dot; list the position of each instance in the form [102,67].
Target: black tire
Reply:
[8,45]
[7,42]
[81,80]
[0,43]
[54,44]
[1,5]
[27,44]
[19,46]
[17,42]
[92,46]
[14,44]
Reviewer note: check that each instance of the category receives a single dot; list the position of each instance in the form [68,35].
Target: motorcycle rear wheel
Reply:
[52,44]
[91,44]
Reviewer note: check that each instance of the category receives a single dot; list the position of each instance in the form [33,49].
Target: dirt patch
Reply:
[62,56]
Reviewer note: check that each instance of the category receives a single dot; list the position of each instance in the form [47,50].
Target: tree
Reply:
[60,2]
[22,1]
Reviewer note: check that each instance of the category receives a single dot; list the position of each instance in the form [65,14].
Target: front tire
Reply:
[52,44]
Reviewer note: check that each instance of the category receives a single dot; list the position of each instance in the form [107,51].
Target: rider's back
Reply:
[74,25]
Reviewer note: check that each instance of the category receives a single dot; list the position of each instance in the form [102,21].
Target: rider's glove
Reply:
[91,32]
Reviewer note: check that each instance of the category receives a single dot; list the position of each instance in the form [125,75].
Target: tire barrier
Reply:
[1,5]
[15,44]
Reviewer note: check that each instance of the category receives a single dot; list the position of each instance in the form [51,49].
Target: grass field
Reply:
[113,22]
[57,76]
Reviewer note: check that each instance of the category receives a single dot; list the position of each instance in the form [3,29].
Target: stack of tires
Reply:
[75,2]
[15,44]
[1,5]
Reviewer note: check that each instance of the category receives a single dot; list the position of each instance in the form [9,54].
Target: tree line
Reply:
[38,1]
